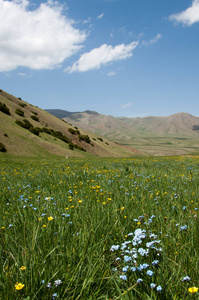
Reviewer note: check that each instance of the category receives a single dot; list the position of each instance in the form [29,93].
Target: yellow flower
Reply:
[193,289]
[19,286]
[44,226]
[50,218]
[22,268]
[79,201]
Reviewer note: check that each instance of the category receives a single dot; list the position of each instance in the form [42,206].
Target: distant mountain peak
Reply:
[90,112]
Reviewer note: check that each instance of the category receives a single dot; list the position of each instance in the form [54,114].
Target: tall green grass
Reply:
[67,228]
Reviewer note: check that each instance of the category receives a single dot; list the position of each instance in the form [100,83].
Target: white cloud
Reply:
[100,16]
[153,40]
[102,56]
[112,73]
[87,20]
[127,105]
[189,16]
[38,39]
[22,74]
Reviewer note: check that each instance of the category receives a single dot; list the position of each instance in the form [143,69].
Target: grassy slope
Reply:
[22,142]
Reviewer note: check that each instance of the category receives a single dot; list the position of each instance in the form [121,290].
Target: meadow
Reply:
[99,228]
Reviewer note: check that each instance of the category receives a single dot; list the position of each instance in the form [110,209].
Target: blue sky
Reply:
[117,57]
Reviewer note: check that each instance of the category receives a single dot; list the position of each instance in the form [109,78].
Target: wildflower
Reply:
[143,252]
[150,273]
[152,285]
[118,258]
[50,218]
[57,282]
[22,268]
[48,285]
[183,227]
[159,288]
[125,269]
[19,286]
[140,280]
[184,208]
[193,290]
[127,258]
[123,277]
[155,262]
[114,247]
[54,295]
[44,226]
[186,278]
[140,268]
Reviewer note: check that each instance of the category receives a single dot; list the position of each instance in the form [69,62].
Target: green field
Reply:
[99,228]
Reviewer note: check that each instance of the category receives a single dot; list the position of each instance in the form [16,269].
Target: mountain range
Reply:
[27,130]
[176,134]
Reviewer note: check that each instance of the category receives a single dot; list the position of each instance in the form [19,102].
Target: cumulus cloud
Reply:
[38,39]
[189,16]
[102,56]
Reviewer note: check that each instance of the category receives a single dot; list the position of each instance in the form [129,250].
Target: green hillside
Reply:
[26,130]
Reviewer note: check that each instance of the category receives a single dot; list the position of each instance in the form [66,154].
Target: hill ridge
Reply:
[27,130]
[154,135]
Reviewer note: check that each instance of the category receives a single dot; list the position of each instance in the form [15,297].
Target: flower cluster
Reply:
[136,257]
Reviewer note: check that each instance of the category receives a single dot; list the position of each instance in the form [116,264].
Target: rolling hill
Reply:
[26,130]
[171,135]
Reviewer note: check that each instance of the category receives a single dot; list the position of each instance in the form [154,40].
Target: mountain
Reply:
[26,130]
[170,135]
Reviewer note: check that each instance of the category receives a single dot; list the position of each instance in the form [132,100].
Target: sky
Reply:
[131,58]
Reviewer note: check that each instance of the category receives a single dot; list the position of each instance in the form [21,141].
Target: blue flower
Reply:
[150,273]
[186,278]
[114,247]
[125,269]
[159,288]
[123,277]
[127,258]
[152,285]
[155,262]
[183,227]
[57,282]
[140,280]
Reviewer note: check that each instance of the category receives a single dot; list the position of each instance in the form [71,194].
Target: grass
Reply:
[91,229]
